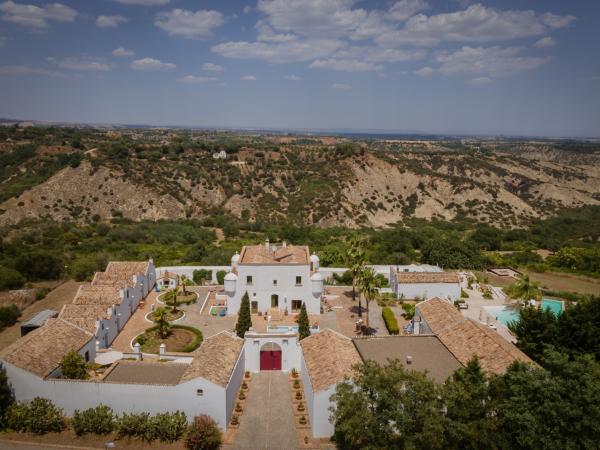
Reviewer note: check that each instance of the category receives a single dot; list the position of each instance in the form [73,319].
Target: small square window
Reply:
[298,280]
[199,392]
[249,280]
[274,282]
[87,356]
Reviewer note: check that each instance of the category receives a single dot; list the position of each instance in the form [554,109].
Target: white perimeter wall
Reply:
[234,385]
[320,421]
[290,350]
[188,271]
[71,395]
[428,290]
[308,392]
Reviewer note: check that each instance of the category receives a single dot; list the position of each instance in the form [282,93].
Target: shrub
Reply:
[98,420]
[390,320]
[73,366]
[463,294]
[7,397]
[9,315]
[10,279]
[409,310]
[40,416]
[168,427]
[135,425]
[203,434]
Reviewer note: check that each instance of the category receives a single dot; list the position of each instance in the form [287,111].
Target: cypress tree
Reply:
[303,323]
[7,397]
[244,321]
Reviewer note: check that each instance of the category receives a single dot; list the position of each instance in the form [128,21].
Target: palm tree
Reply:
[524,290]
[356,258]
[369,286]
[174,291]
[160,317]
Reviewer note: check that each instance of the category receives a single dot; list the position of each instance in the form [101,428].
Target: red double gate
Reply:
[270,360]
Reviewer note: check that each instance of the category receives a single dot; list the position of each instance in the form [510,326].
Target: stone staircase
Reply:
[276,314]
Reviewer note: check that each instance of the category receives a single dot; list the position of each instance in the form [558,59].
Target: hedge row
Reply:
[390,320]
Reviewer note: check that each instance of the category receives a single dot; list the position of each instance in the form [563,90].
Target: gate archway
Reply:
[270,356]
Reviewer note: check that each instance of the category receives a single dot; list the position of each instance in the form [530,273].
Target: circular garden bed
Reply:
[181,339]
[171,317]
[182,299]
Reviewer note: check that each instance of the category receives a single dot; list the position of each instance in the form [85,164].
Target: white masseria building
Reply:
[277,277]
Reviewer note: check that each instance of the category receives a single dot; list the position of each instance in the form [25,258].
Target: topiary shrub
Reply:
[390,320]
[40,416]
[98,420]
[203,434]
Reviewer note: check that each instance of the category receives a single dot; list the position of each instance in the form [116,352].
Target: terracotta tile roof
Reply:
[215,359]
[427,277]
[466,338]
[329,358]
[141,372]
[85,316]
[439,314]
[98,295]
[427,352]
[275,254]
[469,338]
[120,273]
[166,274]
[41,351]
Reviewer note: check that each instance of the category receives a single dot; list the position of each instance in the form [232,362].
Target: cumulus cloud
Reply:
[247,9]
[85,63]
[341,87]
[151,64]
[248,78]
[110,21]
[424,71]
[193,79]
[144,2]
[404,9]
[545,42]
[30,70]
[189,24]
[292,78]
[122,52]
[488,61]
[211,67]
[480,80]
[36,16]
[347,65]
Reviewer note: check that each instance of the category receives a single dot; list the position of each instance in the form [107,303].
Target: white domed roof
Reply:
[317,277]
[235,258]
[231,277]
[314,258]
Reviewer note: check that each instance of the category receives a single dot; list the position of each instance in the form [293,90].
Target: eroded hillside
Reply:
[311,181]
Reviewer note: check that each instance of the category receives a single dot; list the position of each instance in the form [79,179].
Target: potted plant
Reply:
[235,421]
[296,384]
[247,374]
[238,407]
[298,395]
[303,420]
[242,396]
[294,373]
[301,406]
[244,385]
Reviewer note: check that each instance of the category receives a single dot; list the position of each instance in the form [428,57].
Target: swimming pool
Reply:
[502,314]
[288,329]
[556,306]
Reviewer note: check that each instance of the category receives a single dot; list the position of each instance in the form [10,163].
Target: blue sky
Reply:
[510,67]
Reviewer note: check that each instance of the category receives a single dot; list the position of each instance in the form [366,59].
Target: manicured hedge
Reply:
[188,348]
[390,320]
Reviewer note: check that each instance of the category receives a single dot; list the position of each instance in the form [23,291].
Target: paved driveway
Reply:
[267,421]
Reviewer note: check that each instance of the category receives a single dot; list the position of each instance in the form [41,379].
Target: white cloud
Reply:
[477,23]
[347,65]
[211,67]
[545,42]
[29,70]
[424,72]
[192,79]
[188,24]
[144,2]
[341,87]
[488,61]
[248,78]
[122,52]
[85,63]
[247,9]
[110,21]
[292,78]
[404,9]
[36,16]
[480,80]
[151,64]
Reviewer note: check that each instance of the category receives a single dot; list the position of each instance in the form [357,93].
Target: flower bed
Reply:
[170,316]
[167,298]
[181,339]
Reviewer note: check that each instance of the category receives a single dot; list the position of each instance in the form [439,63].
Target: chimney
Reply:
[409,359]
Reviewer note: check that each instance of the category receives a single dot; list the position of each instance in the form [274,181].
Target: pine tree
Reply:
[303,324]
[7,397]
[244,321]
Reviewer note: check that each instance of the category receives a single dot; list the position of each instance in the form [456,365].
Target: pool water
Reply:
[503,314]
[282,329]
[556,306]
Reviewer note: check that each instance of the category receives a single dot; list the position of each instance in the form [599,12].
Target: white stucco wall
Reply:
[308,391]
[290,350]
[428,290]
[71,395]
[188,271]
[235,381]
[321,426]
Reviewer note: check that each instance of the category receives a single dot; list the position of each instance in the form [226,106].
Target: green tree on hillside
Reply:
[303,323]
[244,321]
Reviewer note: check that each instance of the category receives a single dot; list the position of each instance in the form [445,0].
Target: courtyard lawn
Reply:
[182,299]
[181,339]
[171,317]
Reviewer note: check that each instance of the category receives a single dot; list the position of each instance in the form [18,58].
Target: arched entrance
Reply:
[274,301]
[270,356]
